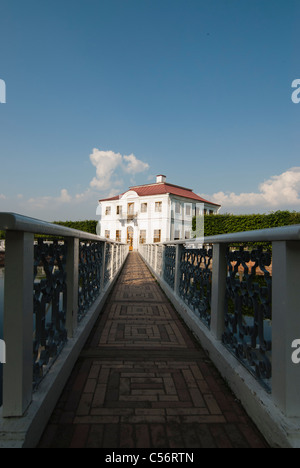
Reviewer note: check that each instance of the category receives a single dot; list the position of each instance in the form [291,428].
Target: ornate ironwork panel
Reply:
[50,299]
[248,312]
[195,281]
[169,269]
[90,268]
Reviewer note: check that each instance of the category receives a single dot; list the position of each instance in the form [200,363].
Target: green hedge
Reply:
[227,223]
[86,226]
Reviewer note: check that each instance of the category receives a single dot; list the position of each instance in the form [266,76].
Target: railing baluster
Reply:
[219,274]
[18,323]
[179,249]
[286,326]
[72,285]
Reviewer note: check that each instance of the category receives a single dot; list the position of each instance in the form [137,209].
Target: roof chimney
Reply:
[160,179]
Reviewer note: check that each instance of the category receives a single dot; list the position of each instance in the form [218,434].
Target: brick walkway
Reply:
[142,381]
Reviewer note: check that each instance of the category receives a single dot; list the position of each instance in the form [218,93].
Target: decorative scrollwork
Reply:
[248,310]
[90,267]
[169,270]
[195,281]
[50,289]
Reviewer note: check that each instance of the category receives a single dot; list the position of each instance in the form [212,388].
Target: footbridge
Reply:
[186,344]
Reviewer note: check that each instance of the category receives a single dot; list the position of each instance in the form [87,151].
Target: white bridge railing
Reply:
[240,294]
[55,286]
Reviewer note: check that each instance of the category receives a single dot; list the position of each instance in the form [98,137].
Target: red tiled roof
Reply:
[163,188]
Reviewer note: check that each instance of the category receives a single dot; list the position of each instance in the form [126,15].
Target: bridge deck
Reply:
[142,381]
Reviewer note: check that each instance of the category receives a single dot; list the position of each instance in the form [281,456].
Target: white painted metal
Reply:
[18,323]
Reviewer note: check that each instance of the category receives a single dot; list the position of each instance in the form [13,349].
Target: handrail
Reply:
[283,233]
[17,222]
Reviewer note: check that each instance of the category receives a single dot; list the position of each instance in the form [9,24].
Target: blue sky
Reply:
[104,94]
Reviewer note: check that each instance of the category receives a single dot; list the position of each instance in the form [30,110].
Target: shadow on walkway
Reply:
[142,381]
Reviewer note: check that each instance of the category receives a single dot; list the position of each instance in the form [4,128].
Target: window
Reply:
[187,234]
[118,236]
[158,207]
[177,208]
[177,234]
[157,235]
[143,236]
[119,210]
[108,210]
[188,210]
[130,210]
[107,234]
[144,207]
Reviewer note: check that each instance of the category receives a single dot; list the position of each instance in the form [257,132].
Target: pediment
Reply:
[129,194]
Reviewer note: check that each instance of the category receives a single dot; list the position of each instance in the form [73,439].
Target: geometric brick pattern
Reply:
[137,333]
[164,392]
[142,381]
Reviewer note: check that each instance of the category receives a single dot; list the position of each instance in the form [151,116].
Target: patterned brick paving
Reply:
[143,382]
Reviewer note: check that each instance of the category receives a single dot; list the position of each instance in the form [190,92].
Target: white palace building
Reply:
[149,213]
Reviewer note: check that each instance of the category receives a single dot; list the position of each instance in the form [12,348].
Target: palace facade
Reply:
[149,213]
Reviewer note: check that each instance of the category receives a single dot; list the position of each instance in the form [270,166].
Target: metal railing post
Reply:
[112,262]
[219,273]
[163,261]
[72,268]
[18,323]
[102,282]
[179,249]
[155,258]
[285,326]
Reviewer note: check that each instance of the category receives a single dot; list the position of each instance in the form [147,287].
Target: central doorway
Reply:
[130,237]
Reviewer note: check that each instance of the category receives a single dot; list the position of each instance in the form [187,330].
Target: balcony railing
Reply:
[132,216]
[54,289]
[240,294]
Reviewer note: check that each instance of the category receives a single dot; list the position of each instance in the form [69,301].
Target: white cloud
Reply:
[134,165]
[109,168]
[277,193]
[48,202]
[2,197]
[106,163]
[64,197]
